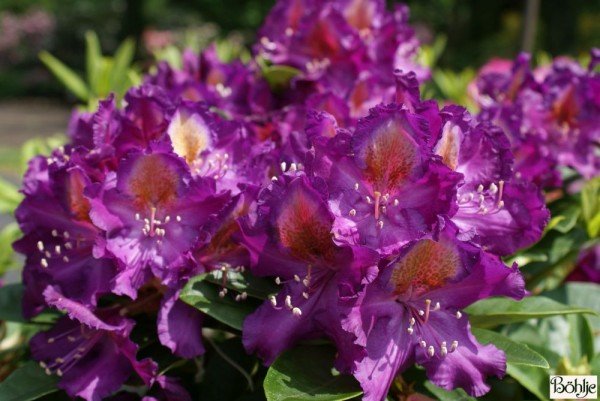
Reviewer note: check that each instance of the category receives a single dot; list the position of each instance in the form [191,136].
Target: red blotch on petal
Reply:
[153,181]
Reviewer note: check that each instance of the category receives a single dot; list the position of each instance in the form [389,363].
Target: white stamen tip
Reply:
[396,202]
[437,306]
[296,278]
[40,246]
[356,186]
[500,204]
[421,312]
[54,233]
[297,312]
[273,300]
[444,350]
[44,263]
[423,344]
[493,188]
[137,216]
[65,259]
[305,295]
[410,330]
[274,179]
[380,224]
[412,321]
[458,314]
[454,346]
[178,218]
[352,212]
[480,188]
[431,351]
[288,302]
[283,166]
[277,281]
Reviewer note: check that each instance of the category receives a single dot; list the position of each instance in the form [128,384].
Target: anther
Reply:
[54,233]
[222,293]
[423,344]
[305,295]
[380,224]
[167,219]
[297,312]
[277,281]
[66,235]
[493,188]
[71,339]
[288,302]
[59,360]
[178,218]
[296,278]
[500,204]
[412,321]
[352,212]
[410,331]
[57,249]
[66,259]
[356,186]
[44,263]
[480,188]
[283,166]
[293,167]
[137,216]
[68,245]
[47,254]
[59,373]
[40,246]
[454,346]
[436,307]
[458,314]
[431,351]
[369,200]
[273,301]
[274,179]
[396,202]
[443,349]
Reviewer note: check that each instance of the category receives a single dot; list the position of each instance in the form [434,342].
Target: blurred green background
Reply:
[476,30]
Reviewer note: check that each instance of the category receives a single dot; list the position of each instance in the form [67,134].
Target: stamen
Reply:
[356,186]
[44,263]
[288,302]
[66,259]
[396,202]
[431,351]
[283,166]
[296,278]
[410,331]
[178,218]
[305,295]
[480,188]
[458,314]
[500,193]
[277,281]
[493,188]
[40,246]
[436,307]
[54,233]
[297,312]
[423,344]
[273,301]
[412,321]
[454,346]
[427,305]
[380,224]
[57,249]
[352,212]
[443,349]
[369,200]
[377,197]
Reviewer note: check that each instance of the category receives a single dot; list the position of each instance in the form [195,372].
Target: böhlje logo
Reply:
[573,387]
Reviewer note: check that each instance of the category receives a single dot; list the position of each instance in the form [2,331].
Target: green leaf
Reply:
[93,60]
[581,338]
[121,63]
[516,353]
[590,206]
[256,287]
[8,235]
[9,196]
[448,395]
[533,379]
[27,383]
[305,373]
[67,76]
[10,302]
[495,311]
[205,297]
[279,76]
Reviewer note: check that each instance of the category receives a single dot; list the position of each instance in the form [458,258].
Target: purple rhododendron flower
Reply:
[90,350]
[413,313]
[292,241]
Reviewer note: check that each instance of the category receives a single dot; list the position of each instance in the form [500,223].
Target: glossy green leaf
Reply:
[448,395]
[68,77]
[516,353]
[256,287]
[590,206]
[27,383]
[536,380]
[305,373]
[204,296]
[495,311]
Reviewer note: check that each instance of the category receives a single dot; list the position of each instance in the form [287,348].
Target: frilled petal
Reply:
[467,365]
[505,217]
[180,327]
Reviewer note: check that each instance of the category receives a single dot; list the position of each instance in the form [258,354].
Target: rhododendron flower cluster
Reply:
[379,216]
[551,115]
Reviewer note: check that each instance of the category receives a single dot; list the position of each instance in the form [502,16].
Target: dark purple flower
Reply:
[59,236]
[413,313]
[292,241]
[153,212]
[89,350]
[388,188]
[587,267]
